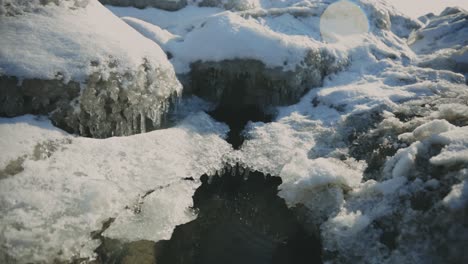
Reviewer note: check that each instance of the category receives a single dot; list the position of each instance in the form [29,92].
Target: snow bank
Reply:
[44,44]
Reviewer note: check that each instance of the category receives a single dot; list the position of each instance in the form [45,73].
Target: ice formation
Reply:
[375,159]
[79,63]
[69,185]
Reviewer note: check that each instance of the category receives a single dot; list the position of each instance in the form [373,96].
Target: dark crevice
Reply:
[237,117]
[240,219]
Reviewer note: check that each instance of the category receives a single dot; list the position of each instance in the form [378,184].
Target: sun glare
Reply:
[342,19]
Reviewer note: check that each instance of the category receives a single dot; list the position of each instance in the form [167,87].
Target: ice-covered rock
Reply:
[89,77]
[274,52]
[66,186]
[443,42]
[243,82]
[375,160]
[170,5]
[388,128]
[228,57]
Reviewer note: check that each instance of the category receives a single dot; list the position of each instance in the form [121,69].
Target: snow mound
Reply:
[57,47]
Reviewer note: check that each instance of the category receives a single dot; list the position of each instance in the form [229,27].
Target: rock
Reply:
[169,5]
[239,83]
[89,81]
[102,109]
[34,96]
[115,251]
[231,68]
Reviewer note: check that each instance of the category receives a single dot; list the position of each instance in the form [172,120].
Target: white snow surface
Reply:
[59,41]
[443,42]
[278,33]
[209,34]
[73,183]
[70,185]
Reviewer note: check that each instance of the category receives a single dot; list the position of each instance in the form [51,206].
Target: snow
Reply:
[302,175]
[229,36]
[74,184]
[63,42]
[442,43]
[178,23]
[349,223]
[445,31]
[224,35]
[271,33]
[413,121]
[152,32]
[458,196]
[456,147]
[211,34]
[427,130]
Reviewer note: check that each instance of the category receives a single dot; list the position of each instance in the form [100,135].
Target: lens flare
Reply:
[342,19]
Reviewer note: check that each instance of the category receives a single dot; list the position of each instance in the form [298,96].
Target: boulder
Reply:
[240,83]
[89,80]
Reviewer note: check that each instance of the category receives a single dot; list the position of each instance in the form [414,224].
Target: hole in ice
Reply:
[237,117]
[241,219]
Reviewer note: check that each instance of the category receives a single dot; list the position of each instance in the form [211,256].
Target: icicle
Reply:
[142,122]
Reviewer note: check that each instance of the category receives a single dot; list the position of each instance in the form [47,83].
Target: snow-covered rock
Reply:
[374,160]
[274,50]
[65,186]
[443,42]
[225,54]
[70,62]
[170,5]
[237,5]
[383,16]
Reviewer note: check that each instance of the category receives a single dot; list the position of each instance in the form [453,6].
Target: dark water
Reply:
[237,117]
[240,221]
